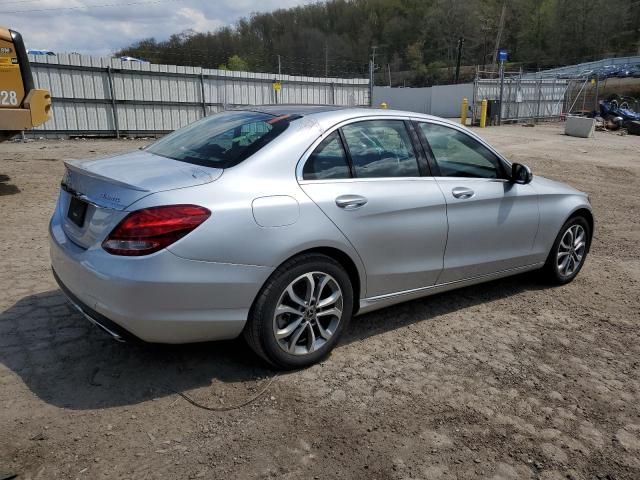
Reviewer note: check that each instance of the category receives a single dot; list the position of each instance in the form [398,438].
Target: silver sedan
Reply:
[282,222]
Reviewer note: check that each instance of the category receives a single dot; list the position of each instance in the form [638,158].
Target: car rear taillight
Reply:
[151,229]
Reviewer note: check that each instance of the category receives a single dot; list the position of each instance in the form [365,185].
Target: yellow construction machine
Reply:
[21,105]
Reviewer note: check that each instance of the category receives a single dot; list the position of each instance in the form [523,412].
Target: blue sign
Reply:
[502,55]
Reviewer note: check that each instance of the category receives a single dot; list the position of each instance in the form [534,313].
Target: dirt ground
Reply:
[511,379]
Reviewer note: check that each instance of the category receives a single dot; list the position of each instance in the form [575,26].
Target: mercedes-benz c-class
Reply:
[282,222]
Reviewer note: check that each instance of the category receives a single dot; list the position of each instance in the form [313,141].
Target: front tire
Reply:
[301,312]
[569,251]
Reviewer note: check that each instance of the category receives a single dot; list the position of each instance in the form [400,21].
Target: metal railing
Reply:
[519,98]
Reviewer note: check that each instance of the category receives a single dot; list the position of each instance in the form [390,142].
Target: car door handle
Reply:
[350,202]
[462,192]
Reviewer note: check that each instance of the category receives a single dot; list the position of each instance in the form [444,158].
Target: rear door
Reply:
[367,178]
[492,221]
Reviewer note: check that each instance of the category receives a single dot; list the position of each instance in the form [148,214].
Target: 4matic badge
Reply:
[111,198]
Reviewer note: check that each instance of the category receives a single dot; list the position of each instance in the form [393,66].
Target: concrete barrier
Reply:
[579,127]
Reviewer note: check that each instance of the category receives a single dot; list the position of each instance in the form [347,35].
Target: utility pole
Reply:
[326,60]
[370,82]
[460,44]
[372,66]
[389,71]
[485,30]
[501,92]
[279,66]
[499,36]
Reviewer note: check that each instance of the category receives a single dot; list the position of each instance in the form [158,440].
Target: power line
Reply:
[87,7]
[268,59]
[220,55]
[267,64]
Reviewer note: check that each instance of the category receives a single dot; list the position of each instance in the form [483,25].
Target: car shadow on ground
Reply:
[7,188]
[69,363]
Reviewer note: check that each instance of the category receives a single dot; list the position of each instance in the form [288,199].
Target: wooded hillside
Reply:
[335,38]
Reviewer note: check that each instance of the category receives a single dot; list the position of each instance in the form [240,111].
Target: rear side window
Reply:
[222,140]
[381,148]
[328,161]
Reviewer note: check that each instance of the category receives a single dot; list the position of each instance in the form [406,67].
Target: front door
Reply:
[492,221]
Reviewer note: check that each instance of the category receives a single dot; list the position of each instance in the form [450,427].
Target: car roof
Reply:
[292,109]
[329,115]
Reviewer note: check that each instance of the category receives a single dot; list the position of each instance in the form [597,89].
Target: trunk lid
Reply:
[118,181]
[109,185]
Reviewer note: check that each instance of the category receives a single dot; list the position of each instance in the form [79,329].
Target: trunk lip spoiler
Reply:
[72,166]
[102,200]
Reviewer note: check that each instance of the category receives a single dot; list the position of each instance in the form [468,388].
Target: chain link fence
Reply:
[518,99]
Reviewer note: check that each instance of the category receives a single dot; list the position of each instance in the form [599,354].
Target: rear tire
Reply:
[301,312]
[569,251]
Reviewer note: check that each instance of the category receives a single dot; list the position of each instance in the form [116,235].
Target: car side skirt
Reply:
[374,303]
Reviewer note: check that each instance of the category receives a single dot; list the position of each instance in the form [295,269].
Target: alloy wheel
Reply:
[308,313]
[571,250]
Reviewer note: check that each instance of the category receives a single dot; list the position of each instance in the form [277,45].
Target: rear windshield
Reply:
[222,140]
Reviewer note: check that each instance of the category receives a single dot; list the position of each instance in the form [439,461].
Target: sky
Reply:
[90,27]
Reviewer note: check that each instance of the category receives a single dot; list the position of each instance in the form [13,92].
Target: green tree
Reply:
[418,38]
[235,63]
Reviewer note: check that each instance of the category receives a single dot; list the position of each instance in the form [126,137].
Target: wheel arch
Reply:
[345,260]
[588,216]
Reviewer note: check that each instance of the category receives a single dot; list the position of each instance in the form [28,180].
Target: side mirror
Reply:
[521,174]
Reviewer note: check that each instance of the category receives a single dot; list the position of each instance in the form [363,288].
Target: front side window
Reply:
[459,155]
[381,148]
[328,161]
[222,140]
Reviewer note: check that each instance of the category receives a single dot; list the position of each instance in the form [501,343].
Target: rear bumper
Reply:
[112,328]
[158,298]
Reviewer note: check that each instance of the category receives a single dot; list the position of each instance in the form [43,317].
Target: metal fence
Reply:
[109,97]
[588,69]
[440,100]
[523,99]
